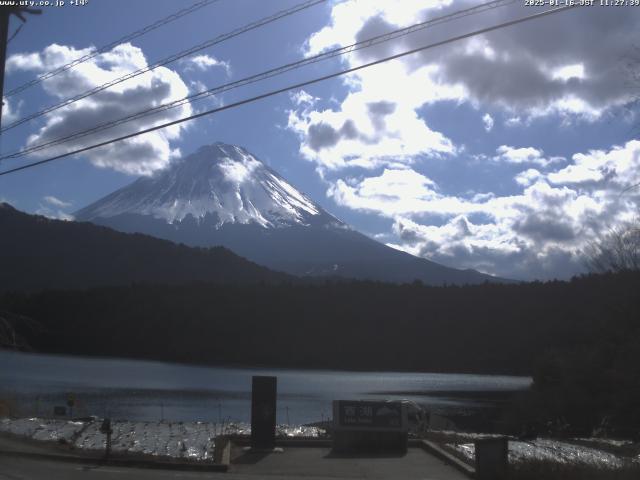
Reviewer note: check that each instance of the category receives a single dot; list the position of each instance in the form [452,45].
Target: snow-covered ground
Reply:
[196,440]
[189,440]
[550,450]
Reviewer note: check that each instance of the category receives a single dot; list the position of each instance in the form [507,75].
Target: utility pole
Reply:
[5,14]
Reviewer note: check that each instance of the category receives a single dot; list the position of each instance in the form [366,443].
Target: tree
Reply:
[13,329]
[617,251]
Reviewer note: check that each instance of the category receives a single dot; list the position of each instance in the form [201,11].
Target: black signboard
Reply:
[365,426]
[374,415]
[263,412]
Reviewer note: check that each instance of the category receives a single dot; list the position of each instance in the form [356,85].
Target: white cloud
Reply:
[35,61]
[488,122]
[206,62]
[238,172]
[513,122]
[373,126]
[197,86]
[347,17]
[528,177]
[53,207]
[138,156]
[54,213]
[10,111]
[203,103]
[538,233]
[618,168]
[567,72]
[56,202]
[303,98]
[524,155]
[524,79]
[394,192]
[519,155]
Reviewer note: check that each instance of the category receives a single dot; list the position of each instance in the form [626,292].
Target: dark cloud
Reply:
[463,227]
[542,229]
[600,39]
[349,130]
[141,155]
[408,234]
[519,74]
[113,106]
[373,27]
[521,82]
[322,135]
[521,264]
[379,110]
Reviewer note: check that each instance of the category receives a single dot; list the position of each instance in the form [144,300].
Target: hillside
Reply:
[39,253]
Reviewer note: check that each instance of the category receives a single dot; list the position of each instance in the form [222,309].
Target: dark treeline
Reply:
[488,328]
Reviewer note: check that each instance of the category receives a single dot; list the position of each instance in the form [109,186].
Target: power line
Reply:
[105,48]
[167,60]
[14,35]
[295,86]
[267,74]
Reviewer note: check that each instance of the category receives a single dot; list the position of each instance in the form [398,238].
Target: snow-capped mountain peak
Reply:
[222,195]
[220,179]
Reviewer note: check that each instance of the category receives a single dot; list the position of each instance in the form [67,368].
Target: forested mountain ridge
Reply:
[39,253]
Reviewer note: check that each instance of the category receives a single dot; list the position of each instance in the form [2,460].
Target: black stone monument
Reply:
[263,412]
[492,458]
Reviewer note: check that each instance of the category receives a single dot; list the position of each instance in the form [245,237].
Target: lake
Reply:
[145,390]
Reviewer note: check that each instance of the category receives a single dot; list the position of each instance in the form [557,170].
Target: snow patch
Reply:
[551,450]
[188,440]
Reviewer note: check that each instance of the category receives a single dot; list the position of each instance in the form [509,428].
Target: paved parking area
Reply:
[22,460]
[320,462]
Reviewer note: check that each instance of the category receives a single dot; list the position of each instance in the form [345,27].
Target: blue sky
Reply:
[506,152]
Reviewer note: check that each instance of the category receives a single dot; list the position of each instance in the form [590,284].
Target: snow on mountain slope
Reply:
[220,179]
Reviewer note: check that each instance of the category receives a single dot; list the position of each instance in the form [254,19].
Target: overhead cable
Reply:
[105,48]
[370,42]
[294,87]
[167,60]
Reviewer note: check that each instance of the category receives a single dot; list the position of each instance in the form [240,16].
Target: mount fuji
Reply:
[223,195]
